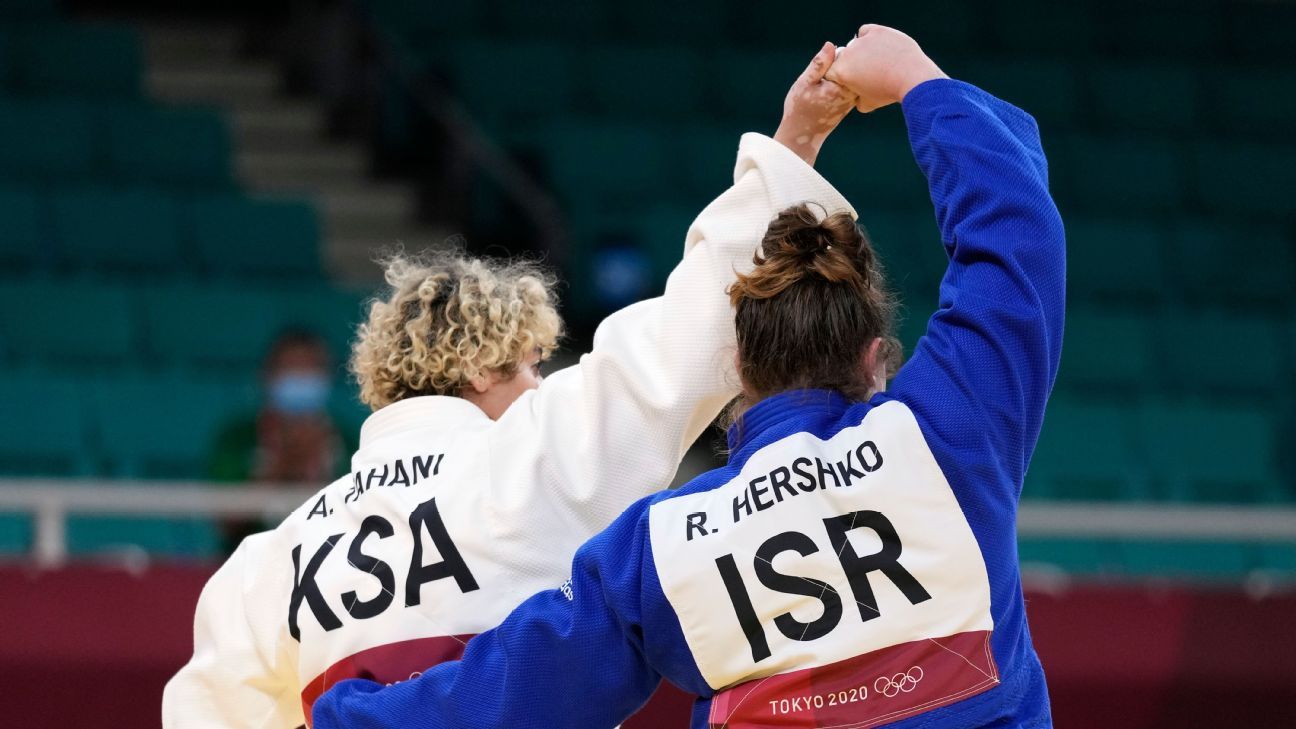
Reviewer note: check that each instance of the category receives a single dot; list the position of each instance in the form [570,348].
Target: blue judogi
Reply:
[854,564]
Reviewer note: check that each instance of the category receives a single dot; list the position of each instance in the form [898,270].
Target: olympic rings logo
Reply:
[899,683]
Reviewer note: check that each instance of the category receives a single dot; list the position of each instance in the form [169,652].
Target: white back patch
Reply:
[820,551]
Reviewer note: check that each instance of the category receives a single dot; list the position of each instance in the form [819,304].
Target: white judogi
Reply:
[449,519]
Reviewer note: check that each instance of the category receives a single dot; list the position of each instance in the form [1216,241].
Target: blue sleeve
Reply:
[979,378]
[561,659]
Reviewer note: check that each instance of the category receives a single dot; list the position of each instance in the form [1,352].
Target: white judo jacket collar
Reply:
[429,414]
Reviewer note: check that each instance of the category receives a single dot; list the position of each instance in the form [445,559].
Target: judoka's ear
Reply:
[481,383]
[873,366]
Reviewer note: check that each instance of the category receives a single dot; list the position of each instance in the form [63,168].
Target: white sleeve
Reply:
[235,678]
[596,436]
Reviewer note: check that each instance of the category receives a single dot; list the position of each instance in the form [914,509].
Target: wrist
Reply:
[917,75]
[803,144]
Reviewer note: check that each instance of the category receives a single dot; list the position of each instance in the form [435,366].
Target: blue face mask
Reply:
[299,393]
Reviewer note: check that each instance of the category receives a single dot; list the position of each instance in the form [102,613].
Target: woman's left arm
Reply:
[570,657]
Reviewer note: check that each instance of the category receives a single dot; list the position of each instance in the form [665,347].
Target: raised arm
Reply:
[598,435]
[979,379]
[572,657]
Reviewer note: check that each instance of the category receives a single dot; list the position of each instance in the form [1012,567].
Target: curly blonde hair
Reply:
[447,319]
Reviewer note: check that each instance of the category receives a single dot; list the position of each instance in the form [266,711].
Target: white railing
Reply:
[50,502]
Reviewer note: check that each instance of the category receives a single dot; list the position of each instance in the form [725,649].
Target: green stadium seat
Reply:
[1146,97]
[1277,557]
[238,322]
[576,20]
[509,85]
[940,25]
[773,24]
[1121,173]
[913,261]
[47,140]
[417,21]
[1220,355]
[662,82]
[1182,30]
[1109,354]
[167,537]
[1115,261]
[1238,263]
[1074,556]
[1260,31]
[67,322]
[1042,28]
[28,10]
[164,426]
[682,22]
[102,229]
[185,148]
[913,258]
[1049,90]
[347,410]
[609,163]
[330,312]
[660,231]
[236,235]
[1213,454]
[22,242]
[15,534]
[710,153]
[1247,179]
[6,64]
[43,430]
[749,86]
[1087,452]
[1248,101]
[875,169]
[1192,560]
[78,60]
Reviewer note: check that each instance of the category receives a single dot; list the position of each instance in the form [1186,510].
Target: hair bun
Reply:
[809,240]
[798,245]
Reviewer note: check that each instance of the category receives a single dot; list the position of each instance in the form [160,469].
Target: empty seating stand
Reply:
[139,286]
[239,322]
[236,236]
[1113,261]
[1245,265]
[79,60]
[67,323]
[44,141]
[105,229]
[1110,355]
[20,245]
[165,425]
[1088,453]
[181,148]
[1212,453]
[1145,96]
[44,429]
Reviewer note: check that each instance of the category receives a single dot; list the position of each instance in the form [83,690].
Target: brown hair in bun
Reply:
[807,313]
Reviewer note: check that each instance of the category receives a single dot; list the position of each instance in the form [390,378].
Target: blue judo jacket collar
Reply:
[778,416]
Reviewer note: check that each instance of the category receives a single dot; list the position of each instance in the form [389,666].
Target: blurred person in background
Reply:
[855,563]
[476,479]
[292,439]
